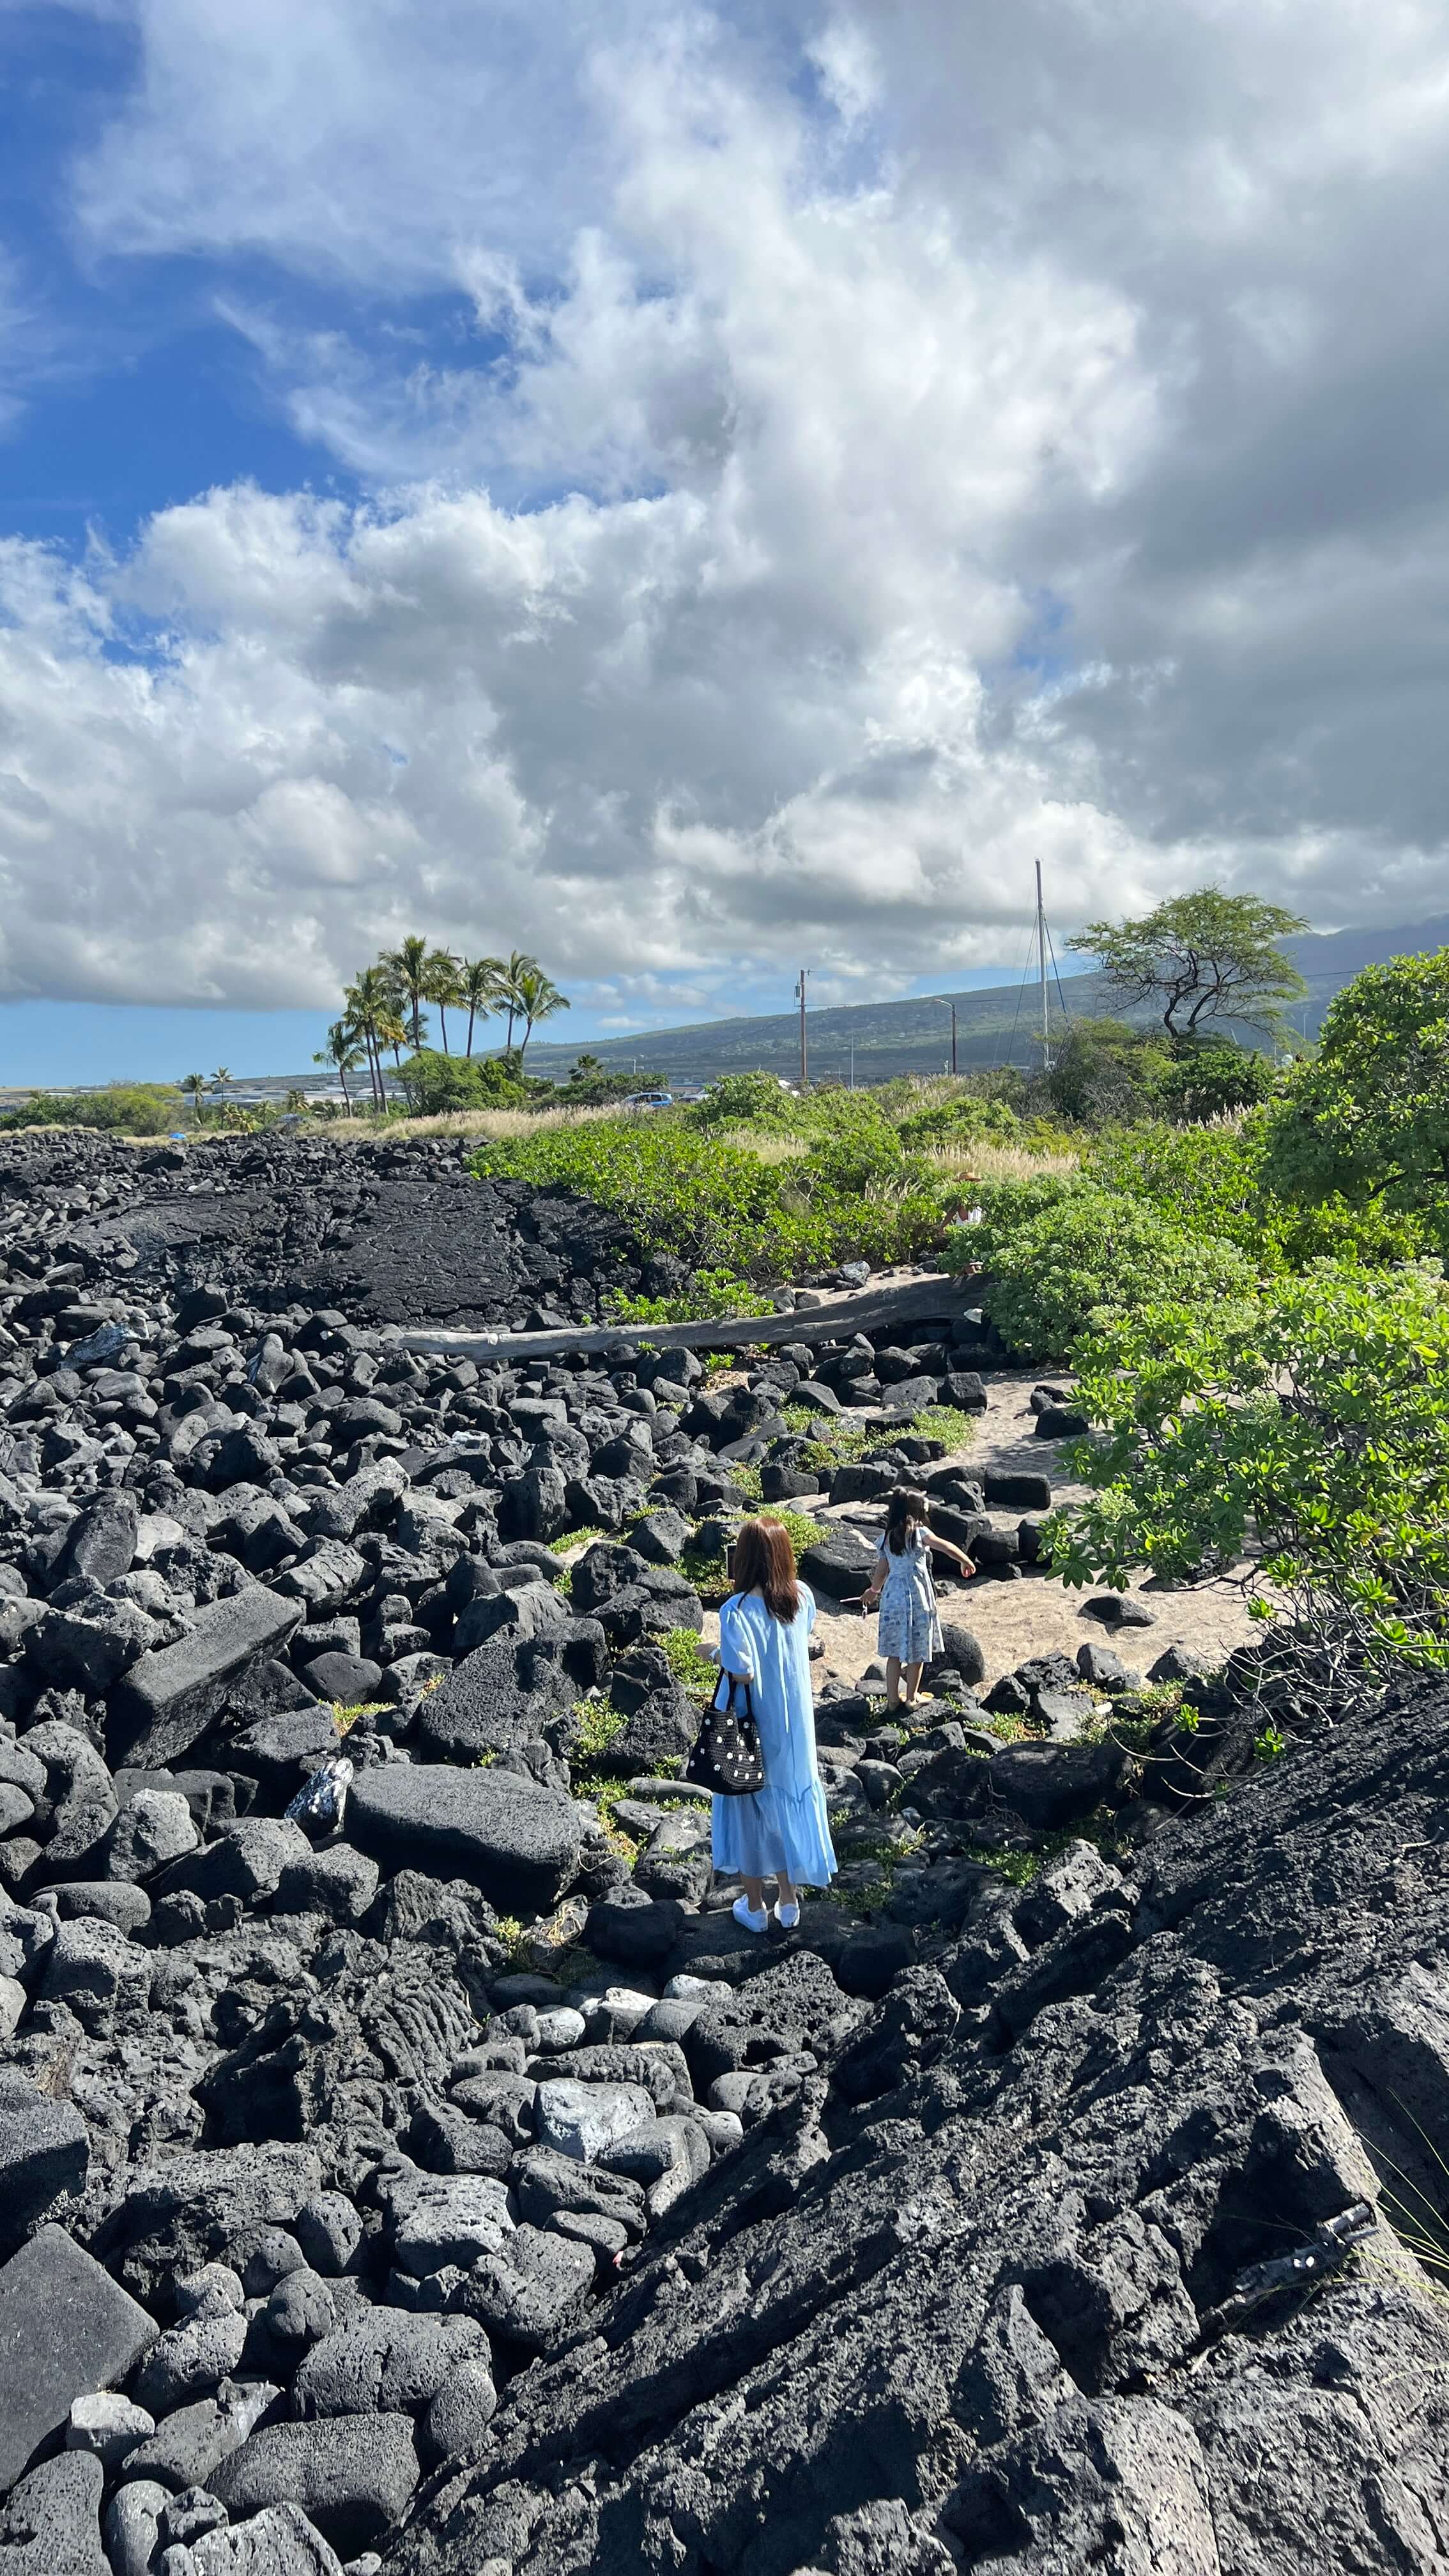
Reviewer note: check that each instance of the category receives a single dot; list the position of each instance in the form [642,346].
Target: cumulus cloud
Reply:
[882,445]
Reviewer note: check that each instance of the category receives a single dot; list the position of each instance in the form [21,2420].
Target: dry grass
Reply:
[498,1124]
[987,1162]
[765,1145]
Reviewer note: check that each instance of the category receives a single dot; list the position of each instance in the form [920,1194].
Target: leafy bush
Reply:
[710,1293]
[127,1108]
[434,1085]
[960,1122]
[1084,1252]
[1107,1069]
[1367,1121]
[747,1100]
[1215,1080]
[1307,1423]
[1218,1180]
[681,1189]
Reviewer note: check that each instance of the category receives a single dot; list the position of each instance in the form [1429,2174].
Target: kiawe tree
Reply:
[1201,958]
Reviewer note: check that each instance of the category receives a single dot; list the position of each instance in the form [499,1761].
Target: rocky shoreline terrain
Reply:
[454,2186]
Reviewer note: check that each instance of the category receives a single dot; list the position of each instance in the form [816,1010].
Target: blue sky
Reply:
[685,491]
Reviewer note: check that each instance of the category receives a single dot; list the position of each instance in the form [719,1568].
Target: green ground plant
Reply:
[600,1726]
[687,1660]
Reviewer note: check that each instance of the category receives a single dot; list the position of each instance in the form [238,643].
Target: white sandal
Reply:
[744,1913]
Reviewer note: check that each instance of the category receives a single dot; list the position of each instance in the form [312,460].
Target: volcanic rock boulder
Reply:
[518,1845]
[168,1698]
[1020,2283]
[66,2328]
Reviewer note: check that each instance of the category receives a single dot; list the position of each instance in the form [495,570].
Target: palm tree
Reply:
[343,1053]
[406,967]
[222,1075]
[392,1033]
[482,987]
[368,1004]
[195,1083]
[538,999]
[520,963]
[444,985]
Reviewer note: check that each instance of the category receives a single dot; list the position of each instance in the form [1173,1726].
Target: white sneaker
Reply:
[744,1912]
[787,1916]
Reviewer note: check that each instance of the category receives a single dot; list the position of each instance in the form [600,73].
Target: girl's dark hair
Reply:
[905,1512]
[765,1563]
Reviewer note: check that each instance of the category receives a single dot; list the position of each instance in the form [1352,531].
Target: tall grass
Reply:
[983,1162]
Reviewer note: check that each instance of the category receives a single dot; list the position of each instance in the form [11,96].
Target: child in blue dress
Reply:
[781,1831]
[909,1631]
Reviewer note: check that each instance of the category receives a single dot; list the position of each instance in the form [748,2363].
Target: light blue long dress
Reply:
[783,1827]
[909,1625]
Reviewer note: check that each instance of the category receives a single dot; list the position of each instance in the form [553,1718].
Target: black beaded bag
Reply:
[726,1756]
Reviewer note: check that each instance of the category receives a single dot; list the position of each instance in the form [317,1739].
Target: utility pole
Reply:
[951,1007]
[1041,941]
[804,1057]
[852,1064]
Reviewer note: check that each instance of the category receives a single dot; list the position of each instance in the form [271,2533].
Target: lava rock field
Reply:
[455,2189]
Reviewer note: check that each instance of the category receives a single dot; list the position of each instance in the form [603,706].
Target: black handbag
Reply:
[726,1757]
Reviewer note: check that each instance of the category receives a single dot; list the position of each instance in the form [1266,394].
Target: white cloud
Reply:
[896,442]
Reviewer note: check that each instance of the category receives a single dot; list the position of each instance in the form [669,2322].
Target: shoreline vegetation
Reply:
[1237,1258]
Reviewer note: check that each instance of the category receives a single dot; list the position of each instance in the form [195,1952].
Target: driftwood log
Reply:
[906,1301]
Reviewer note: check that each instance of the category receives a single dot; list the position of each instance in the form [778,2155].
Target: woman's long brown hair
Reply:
[765,1563]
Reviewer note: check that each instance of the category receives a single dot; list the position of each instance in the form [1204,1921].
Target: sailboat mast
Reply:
[1041,942]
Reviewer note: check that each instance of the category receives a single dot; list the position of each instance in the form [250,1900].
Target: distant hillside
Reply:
[996,1026]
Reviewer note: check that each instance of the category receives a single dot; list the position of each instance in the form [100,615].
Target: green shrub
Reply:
[435,1085]
[126,1108]
[960,1122]
[1305,1424]
[679,1188]
[1107,1069]
[709,1293]
[747,1100]
[1219,1180]
[1091,1252]
[1216,1080]
[1367,1121]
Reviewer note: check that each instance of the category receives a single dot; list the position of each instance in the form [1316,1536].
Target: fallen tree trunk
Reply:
[863,1310]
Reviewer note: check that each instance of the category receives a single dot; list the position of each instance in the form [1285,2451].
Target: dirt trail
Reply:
[1037,1615]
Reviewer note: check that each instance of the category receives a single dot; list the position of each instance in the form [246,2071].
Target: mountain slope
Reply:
[994,1026]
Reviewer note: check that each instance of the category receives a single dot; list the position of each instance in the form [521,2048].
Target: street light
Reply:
[951,1007]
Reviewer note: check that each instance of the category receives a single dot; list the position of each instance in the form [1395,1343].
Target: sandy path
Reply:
[1036,1615]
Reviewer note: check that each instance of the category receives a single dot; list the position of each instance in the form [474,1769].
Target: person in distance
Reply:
[764,1638]
[909,1630]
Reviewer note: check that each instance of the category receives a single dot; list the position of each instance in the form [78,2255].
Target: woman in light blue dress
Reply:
[781,1831]
[909,1629]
